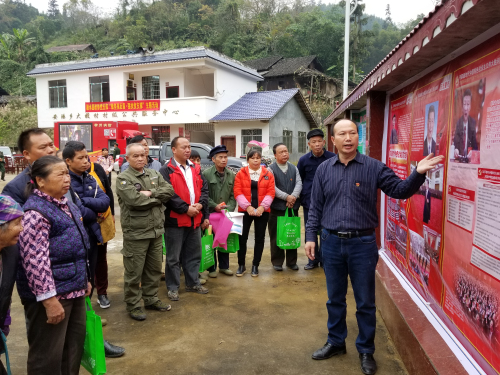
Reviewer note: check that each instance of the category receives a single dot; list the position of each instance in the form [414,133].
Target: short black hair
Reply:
[71,148]
[467,92]
[252,152]
[194,154]
[104,149]
[431,110]
[175,140]
[24,142]
[276,146]
[333,126]
[137,139]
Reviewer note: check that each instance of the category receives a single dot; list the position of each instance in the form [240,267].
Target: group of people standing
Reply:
[62,253]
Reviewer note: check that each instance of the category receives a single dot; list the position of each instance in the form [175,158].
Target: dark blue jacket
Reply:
[90,199]
[68,246]
[16,188]
[307,166]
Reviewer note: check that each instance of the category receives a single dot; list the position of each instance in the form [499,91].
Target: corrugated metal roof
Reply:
[72,48]
[261,105]
[139,59]
[264,105]
[263,64]
[289,66]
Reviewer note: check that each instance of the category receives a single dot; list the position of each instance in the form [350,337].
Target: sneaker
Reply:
[103,301]
[197,289]
[213,274]
[159,306]
[104,322]
[203,276]
[173,295]
[138,314]
[227,272]
[310,266]
[203,281]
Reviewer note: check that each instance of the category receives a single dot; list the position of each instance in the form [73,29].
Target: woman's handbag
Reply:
[93,359]
[288,231]
[207,252]
[105,220]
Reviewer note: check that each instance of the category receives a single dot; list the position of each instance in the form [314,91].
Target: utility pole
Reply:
[348,13]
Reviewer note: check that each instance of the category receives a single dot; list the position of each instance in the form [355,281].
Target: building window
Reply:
[131,93]
[160,134]
[287,139]
[173,92]
[57,94]
[302,142]
[99,89]
[151,87]
[248,135]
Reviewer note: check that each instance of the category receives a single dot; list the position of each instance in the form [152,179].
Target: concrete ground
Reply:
[265,325]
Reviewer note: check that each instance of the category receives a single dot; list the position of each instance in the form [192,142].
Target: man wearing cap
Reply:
[220,181]
[307,166]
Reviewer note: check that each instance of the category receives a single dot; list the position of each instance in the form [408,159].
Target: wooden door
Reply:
[230,143]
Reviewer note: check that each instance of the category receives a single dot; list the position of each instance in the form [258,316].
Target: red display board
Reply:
[446,238]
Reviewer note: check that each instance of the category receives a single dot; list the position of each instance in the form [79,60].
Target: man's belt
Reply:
[352,234]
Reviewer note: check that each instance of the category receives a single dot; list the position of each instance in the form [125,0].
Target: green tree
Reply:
[22,43]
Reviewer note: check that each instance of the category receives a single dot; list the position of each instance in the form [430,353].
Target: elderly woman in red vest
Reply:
[254,192]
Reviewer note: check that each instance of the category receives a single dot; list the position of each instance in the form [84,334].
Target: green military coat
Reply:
[218,191]
[142,217]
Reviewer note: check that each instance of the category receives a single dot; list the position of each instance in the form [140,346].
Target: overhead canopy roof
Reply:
[448,27]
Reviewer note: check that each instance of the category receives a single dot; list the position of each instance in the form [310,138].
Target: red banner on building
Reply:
[131,105]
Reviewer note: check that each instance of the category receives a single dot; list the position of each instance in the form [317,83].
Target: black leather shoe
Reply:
[255,271]
[368,364]
[241,271]
[294,267]
[113,351]
[278,268]
[328,351]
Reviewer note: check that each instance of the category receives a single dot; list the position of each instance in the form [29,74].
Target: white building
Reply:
[192,86]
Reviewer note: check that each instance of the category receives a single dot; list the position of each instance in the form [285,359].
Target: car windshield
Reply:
[6,151]
[203,153]
[154,152]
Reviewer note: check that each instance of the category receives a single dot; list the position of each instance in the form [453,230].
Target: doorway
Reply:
[230,143]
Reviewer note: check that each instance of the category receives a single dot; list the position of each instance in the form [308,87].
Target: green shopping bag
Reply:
[288,231]
[164,247]
[207,252]
[233,244]
[93,359]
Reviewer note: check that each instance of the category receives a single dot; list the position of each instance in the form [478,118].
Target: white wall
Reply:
[228,86]
[233,128]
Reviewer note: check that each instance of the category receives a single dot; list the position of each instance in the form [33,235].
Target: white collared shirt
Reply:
[188,177]
[254,175]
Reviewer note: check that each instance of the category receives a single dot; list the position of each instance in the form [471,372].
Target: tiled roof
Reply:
[289,66]
[140,59]
[72,48]
[263,105]
[263,64]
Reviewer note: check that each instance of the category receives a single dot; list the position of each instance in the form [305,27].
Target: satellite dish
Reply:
[151,49]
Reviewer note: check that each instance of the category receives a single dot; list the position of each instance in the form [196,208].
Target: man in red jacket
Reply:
[183,218]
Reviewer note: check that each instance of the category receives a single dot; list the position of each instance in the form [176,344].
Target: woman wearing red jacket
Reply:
[254,192]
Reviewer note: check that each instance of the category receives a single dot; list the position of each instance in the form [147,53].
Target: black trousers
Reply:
[222,258]
[277,254]
[260,224]
[56,349]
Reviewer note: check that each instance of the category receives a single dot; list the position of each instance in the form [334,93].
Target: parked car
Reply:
[154,152]
[203,149]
